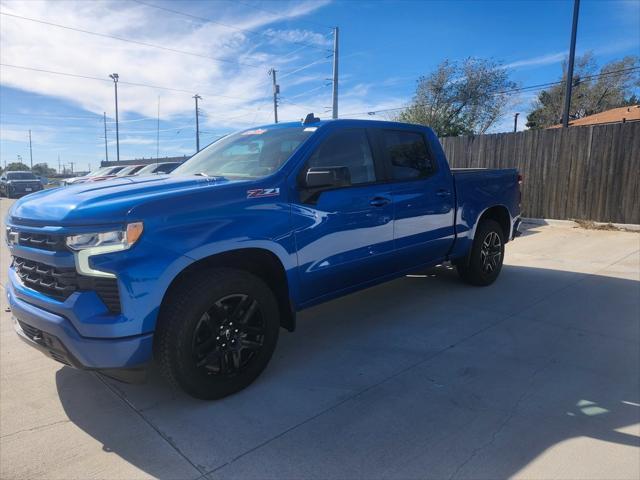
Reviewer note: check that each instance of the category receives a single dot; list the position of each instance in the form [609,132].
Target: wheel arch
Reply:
[258,261]
[499,214]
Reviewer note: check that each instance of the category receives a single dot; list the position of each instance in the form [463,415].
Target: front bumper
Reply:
[20,189]
[56,336]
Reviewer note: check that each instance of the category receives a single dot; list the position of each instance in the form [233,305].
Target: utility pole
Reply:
[334,113]
[572,55]
[30,150]
[158,132]
[115,77]
[59,169]
[71,163]
[515,122]
[276,92]
[197,97]
[106,150]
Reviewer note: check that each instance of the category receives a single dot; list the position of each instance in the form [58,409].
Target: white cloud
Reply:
[538,61]
[228,89]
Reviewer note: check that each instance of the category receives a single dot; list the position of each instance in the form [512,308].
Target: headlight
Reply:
[122,239]
[11,237]
[88,244]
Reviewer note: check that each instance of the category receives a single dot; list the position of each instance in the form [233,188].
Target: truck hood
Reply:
[101,203]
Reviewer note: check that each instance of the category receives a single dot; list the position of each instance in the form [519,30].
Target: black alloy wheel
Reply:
[216,332]
[484,263]
[228,335]
[491,252]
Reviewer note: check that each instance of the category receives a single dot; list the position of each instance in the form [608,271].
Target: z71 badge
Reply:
[263,192]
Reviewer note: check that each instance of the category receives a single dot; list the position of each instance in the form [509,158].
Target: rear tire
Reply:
[487,254]
[216,332]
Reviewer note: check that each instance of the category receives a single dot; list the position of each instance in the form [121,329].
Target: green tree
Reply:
[14,166]
[613,85]
[43,170]
[460,98]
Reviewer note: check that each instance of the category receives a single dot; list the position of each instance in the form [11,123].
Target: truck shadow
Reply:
[423,376]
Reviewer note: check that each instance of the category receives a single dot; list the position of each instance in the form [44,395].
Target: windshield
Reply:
[129,170]
[21,176]
[111,171]
[98,172]
[158,168]
[147,169]
[249,154]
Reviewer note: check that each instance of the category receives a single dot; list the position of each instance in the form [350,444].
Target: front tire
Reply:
[487,255]
[216,332]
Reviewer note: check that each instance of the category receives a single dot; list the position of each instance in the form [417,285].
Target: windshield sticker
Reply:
[258,131]
[310,129]
[263,192]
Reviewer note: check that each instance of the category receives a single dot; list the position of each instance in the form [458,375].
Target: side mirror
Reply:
[327,177]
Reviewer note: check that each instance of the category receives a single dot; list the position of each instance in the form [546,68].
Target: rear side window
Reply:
[408,154]
[347,148]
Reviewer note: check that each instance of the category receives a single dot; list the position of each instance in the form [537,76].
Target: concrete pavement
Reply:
[536,376]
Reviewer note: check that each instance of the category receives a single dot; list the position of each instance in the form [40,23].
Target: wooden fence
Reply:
[584,173]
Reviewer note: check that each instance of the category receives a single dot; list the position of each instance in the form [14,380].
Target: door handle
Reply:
[443,193]
[379,202]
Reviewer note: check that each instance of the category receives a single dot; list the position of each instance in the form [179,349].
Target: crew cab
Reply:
[198,270]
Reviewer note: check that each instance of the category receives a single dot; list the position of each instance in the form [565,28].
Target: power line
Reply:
[128,40]
[245,30]
[304,67]
[133,84]
[529,88]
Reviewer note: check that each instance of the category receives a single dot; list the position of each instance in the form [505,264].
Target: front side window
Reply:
[250,154]
[347,148]
[408,154]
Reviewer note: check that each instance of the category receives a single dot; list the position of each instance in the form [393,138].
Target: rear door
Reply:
[423,198]
[344,236]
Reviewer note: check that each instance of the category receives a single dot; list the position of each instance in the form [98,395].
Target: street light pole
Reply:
[106,150]
[115,77]
[30,150]
[572,56]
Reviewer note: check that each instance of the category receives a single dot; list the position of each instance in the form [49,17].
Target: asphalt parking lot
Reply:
[537,376]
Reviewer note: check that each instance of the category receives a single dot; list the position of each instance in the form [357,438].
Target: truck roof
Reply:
[351,121]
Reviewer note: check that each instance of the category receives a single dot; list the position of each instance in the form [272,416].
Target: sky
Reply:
[166,51]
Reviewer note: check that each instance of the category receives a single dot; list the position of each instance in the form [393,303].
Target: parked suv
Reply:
[199,269]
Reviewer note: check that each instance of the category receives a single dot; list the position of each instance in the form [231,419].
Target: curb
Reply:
[629,227]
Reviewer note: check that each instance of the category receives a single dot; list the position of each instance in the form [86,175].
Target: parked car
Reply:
[14,184]
[100,174]
[199,269]
[164,167]
[129,170]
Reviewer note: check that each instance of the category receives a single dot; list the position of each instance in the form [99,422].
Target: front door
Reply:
[344,235]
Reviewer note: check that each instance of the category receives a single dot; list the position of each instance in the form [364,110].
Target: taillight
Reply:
[519,179]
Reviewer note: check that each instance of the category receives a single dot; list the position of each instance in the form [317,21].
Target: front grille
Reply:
[42,241]
[59,283]
[55,282]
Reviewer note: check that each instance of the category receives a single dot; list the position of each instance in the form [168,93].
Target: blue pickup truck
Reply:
[198,270]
